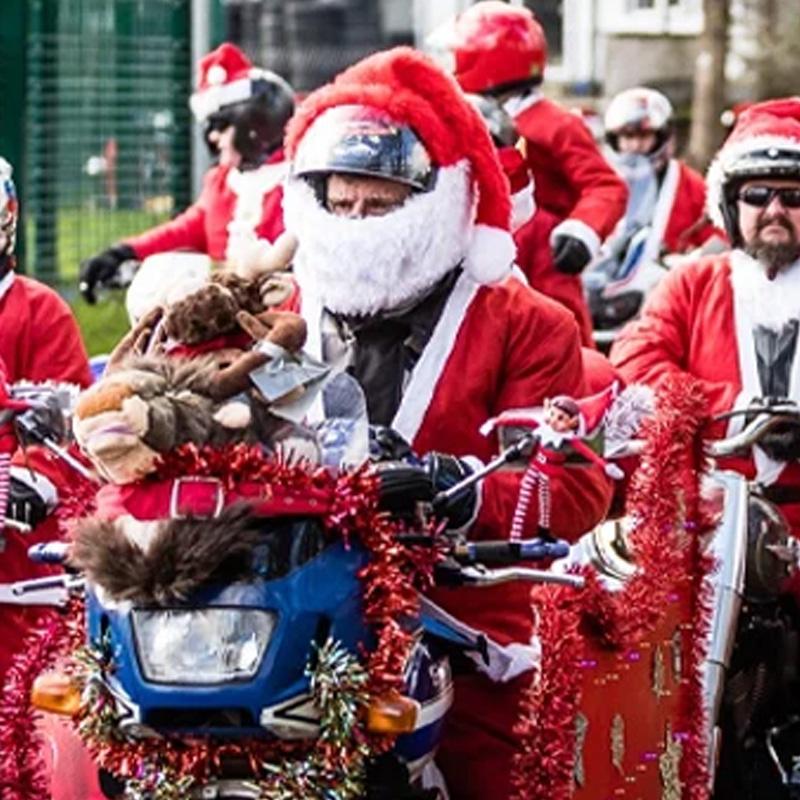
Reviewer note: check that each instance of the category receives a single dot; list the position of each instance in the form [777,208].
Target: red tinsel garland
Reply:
[664,504]
[389,585]
[21,775]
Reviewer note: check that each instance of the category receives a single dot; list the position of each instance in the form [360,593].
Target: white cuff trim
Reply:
[579,230]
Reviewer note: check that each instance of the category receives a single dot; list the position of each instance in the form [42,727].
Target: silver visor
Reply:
[360,140]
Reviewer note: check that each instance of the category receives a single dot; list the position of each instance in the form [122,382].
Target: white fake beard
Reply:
[363,266]
[771,303]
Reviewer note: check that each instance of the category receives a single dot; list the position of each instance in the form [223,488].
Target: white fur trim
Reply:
[491,254]
[523,207]
[5,283]
[244,250]
[205,102]
[514,106]
[428,370]
[165,278]
[725,159]
[662,211]
[579,230]
[372,264]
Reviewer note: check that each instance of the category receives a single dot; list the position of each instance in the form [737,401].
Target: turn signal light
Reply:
[56,693]
[393,714]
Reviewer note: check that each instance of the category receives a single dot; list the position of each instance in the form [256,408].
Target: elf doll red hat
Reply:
[396,115]
[765,143]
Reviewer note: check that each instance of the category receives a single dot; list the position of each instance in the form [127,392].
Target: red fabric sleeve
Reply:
[569,168]
[580,496]
[657,344]
[44,335]
[535,259]
[185,232]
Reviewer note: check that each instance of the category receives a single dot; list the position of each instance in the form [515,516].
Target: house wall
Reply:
[663,62]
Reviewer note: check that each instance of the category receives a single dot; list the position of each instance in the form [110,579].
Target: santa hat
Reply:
[225,76]
[411,89]
[594,409]
[768,131]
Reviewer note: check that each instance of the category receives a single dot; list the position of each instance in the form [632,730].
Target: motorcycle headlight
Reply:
[203,646]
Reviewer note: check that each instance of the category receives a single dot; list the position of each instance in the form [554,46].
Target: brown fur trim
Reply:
[103,397]
[184,556]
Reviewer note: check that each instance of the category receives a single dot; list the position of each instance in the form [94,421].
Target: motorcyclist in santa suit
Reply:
[732,320]
[665,194]
[402,216]
[238,214]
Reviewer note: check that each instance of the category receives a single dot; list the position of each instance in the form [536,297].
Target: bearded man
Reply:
[731,320]
[402,215]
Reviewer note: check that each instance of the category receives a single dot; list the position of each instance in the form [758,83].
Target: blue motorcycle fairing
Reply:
[302,612]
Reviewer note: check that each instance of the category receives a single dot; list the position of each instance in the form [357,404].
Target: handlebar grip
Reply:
[506,552]
[48,553]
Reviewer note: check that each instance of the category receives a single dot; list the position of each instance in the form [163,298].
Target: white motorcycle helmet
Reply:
[642,110]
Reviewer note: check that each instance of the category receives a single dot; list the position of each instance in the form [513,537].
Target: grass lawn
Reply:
[81,233]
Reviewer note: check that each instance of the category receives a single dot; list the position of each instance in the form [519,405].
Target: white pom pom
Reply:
[217,75]
[234,415]
[491,254]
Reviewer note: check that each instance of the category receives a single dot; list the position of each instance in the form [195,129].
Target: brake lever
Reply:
[51,591]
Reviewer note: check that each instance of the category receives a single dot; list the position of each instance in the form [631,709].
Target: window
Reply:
[651,17]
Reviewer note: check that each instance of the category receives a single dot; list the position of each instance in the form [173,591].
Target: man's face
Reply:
[641,142]
[769,221]
[358,196]
[222,139]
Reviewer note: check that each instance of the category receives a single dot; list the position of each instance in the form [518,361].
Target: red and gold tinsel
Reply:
[664,504]
[389,585]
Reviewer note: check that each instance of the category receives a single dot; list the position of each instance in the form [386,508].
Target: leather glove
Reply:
[782,443]
[25,504]
[570,255]
[386,444]
[102,268]
[445,471]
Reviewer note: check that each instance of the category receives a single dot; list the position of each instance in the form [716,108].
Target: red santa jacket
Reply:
[689,324]
[230,199]
[572,179]
[535,259]
[39,338]
[494,348]
[680,220]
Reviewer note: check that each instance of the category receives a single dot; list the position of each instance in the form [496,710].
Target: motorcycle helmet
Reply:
[496,47]
[765,143]
[642,110]
[362,140]
[9,213]
[256,102]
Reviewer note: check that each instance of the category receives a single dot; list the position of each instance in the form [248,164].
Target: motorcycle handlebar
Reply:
[767,420]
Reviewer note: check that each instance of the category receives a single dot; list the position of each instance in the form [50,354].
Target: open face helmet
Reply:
[362,140]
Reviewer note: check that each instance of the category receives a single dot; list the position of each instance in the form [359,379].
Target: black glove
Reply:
[25,504]
[386,444]
[570,255]
[445,472]
[102,268]
[783,442]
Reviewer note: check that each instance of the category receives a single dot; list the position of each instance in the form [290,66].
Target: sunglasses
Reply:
[762,196]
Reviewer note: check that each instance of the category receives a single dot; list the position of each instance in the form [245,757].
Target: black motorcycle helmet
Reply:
[259,119]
